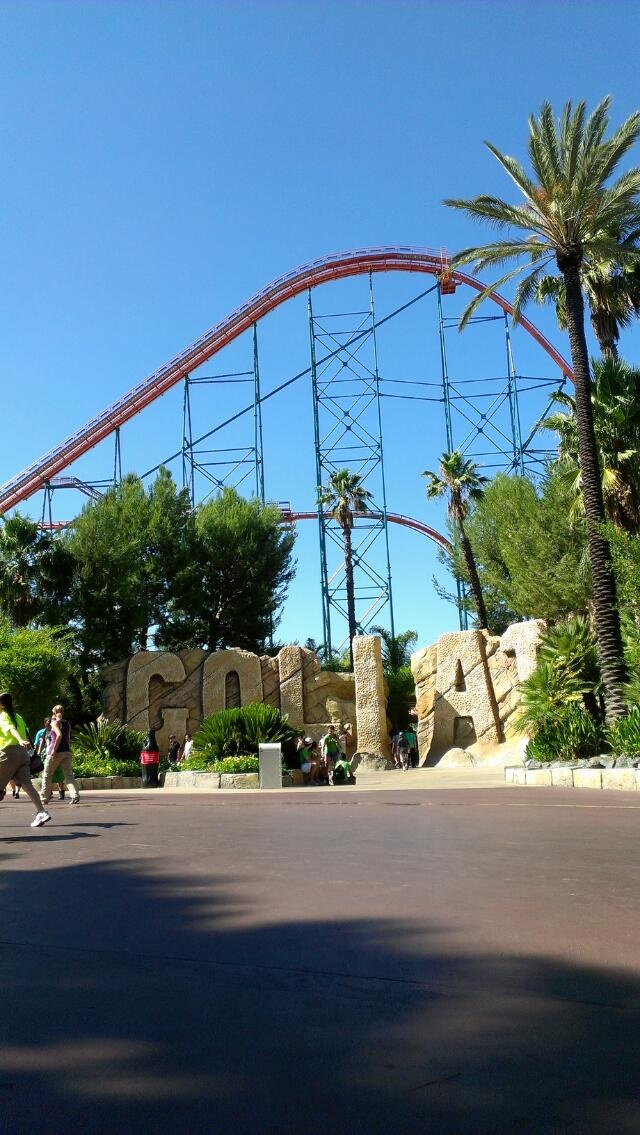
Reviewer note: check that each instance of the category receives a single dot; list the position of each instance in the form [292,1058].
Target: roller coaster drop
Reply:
[347,389]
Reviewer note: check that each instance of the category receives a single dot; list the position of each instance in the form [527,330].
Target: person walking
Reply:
[14,757]
[411,738]
[59,756]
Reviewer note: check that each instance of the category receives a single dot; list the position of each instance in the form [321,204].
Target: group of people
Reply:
[176,752]
[326,761]
[404,748]
[52,745]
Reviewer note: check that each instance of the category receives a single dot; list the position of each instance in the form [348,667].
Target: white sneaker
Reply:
[41,818]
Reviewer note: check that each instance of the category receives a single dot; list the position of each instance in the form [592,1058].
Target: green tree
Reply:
[234,580]
[126,550]
[344,496]
[35,667]
[615,402]
[460,481]
[530,556]
[575,215]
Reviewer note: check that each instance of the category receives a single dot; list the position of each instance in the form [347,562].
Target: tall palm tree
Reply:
[615,400]
[575,215]
[613,295]
[343,496]
[460,481]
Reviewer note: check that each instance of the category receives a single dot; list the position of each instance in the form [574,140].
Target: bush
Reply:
[108,741]
[569,735]
[34,667]
[624,734]
[237,732]
[561,706]
[88,764]
[237,764]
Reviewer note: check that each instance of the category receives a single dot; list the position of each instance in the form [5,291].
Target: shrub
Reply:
[561,707]
[624,734]
[241,763]
[107,741]
[569,735]
[234,732]
[34,666]
[89,764]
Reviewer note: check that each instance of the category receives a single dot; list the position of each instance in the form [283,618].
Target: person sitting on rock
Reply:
[310,760]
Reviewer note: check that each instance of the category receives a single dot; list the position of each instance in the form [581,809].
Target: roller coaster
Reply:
[482,416]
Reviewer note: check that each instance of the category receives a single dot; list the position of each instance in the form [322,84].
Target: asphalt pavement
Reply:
[462,962]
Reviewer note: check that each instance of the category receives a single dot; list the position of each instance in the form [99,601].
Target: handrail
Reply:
[387,258]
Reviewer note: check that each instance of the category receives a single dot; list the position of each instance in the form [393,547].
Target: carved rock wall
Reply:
[173,692]
[467,687]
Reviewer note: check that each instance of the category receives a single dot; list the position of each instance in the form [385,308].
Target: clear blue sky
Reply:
[163,161]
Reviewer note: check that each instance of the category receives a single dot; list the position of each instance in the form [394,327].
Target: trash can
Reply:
[149,761]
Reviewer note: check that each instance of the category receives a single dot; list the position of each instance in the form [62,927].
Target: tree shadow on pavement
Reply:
[162,1006]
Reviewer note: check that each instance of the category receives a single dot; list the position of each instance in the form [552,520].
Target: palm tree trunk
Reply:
[351,598]
[474,578]
[605,604]
[604,329]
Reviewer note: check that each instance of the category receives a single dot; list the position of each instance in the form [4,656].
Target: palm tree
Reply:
[613,295]
[343,496]
[615,401]
[572,214]
[396,649]
[23,554]
[460,479]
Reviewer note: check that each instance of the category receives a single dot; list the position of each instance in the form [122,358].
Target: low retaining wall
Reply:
[98,783]
[622,779]
[209,781]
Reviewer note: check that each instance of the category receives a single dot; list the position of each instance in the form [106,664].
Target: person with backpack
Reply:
[15,763]
[411,738]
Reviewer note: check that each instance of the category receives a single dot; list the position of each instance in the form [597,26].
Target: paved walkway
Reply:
[322,962]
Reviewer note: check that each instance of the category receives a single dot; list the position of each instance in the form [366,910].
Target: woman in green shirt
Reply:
[14,757]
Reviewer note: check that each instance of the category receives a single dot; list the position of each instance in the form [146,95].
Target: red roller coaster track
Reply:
[392,517]
[393,258]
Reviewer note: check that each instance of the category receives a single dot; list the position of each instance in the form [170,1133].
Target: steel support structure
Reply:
[347,424]
[221,467]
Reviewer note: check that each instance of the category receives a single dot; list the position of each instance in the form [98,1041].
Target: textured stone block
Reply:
[145,667]
[519,776]
[523,640]
[622,779]
[541,776]
[562,777]
[587,778]
[290,663]
[239,780]
[371,702]
[456,758]
[214,674]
